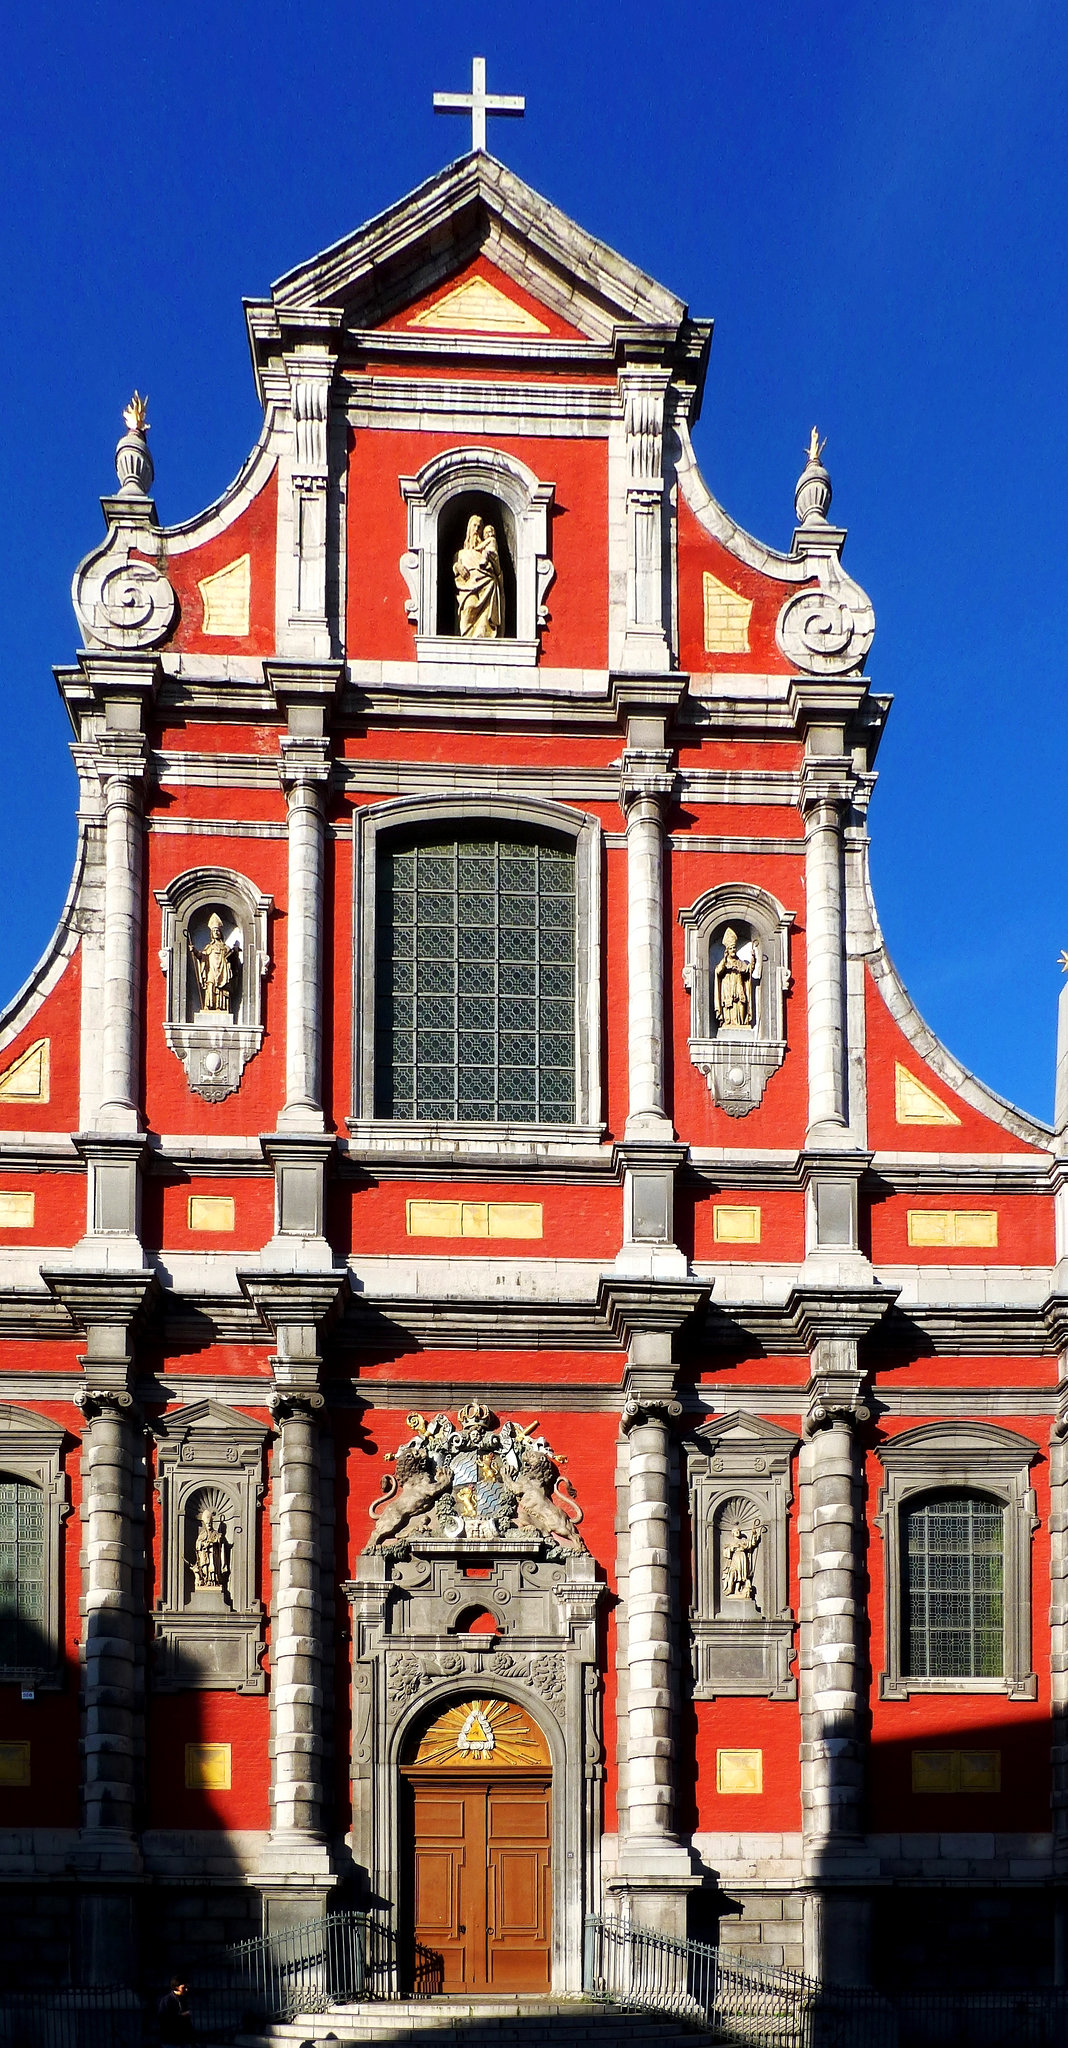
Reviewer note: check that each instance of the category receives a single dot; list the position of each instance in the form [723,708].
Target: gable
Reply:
[476,208]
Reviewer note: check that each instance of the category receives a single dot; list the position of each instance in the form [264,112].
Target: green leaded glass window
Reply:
[22,1615]
[954,1556]
[475,987]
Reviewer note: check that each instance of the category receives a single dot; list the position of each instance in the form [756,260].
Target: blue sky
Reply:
[868,198]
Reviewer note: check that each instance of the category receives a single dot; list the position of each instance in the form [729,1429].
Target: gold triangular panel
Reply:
[477,307]
[225,596]
[26,1079]
[915,1104]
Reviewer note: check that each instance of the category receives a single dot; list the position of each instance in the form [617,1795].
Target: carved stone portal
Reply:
[534,1642]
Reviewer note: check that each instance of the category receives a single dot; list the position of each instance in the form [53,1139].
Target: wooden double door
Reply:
[480,1876]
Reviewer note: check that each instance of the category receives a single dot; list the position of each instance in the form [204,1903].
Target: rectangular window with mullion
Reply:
[954,1554]
[475,981]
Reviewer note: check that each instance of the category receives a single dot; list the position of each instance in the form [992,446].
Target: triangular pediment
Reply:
[477,207]
[206,1419]
[742,1431]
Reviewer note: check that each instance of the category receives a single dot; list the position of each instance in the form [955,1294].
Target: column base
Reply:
[651,1886]
[836,1932]
[297,1889]
[106,1936]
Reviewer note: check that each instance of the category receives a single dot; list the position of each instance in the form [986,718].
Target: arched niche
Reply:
[214,1029]
[737,971]
[440,500]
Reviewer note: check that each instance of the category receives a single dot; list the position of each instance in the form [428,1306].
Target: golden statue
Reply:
[479,583]
[734,982]
[815,445]
[213,966]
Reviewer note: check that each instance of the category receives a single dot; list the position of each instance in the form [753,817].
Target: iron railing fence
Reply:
[97,2016]
[759,2006]
[302,1969]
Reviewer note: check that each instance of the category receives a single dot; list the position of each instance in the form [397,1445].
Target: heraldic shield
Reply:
[475,1477]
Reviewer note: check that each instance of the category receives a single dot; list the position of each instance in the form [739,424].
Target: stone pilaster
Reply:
[305,508]
[300,1149]
[648,1158]
[109,699]
[825,790]
[643,390]
[654,1871]
[114,1483]
[305,777]
[297,1872]
[834,1672]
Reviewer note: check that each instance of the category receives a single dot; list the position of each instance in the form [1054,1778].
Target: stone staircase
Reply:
[478,2023]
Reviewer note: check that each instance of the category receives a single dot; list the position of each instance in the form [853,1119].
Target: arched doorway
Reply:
[477,1821]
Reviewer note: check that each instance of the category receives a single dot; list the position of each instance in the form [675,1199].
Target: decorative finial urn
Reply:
[133,463]
[812,497]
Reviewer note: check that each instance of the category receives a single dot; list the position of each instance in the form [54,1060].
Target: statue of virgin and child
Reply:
[479,582]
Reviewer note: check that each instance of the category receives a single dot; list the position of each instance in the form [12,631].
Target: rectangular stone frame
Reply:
[409,813]
[31,1449]
[978,1456]
[203,1445]
[749,1657]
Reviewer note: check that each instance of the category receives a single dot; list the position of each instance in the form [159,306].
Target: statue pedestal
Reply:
[209,1600]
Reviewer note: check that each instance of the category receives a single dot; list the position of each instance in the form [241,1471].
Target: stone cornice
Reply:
[630,1306]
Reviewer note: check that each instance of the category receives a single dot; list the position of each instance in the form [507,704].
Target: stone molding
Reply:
[209,1643]
[214,1054]
[528,504]
[741,1648]
[984,1458]
[737,1063]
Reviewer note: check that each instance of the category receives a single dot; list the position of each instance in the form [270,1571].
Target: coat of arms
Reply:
[475,1477]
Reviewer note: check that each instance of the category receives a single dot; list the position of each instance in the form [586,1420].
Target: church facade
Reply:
[529,1379]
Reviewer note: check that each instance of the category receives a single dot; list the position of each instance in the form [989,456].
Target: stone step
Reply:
[478,2023]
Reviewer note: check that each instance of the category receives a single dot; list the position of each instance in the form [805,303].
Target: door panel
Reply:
[481,1878]
[518,1838]
[449,1886]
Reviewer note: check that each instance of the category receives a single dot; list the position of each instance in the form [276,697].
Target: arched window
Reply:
[957,1514]
[22,1573]
[476,977]
[452,488]
[953,1552]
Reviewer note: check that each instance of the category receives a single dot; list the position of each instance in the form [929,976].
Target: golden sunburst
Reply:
[486,1733]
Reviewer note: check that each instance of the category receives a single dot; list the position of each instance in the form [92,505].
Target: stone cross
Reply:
[478,103]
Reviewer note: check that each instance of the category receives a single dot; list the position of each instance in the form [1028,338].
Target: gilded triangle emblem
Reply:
[477,307]
[915,1104]
[26,1079]
[476,1735]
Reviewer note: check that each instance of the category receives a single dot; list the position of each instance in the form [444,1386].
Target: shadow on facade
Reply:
[961,1900]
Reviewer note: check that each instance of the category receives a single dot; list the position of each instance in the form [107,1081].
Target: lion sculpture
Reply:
[545,1503]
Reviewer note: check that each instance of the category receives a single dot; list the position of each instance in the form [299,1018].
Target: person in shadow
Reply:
[175,2019]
